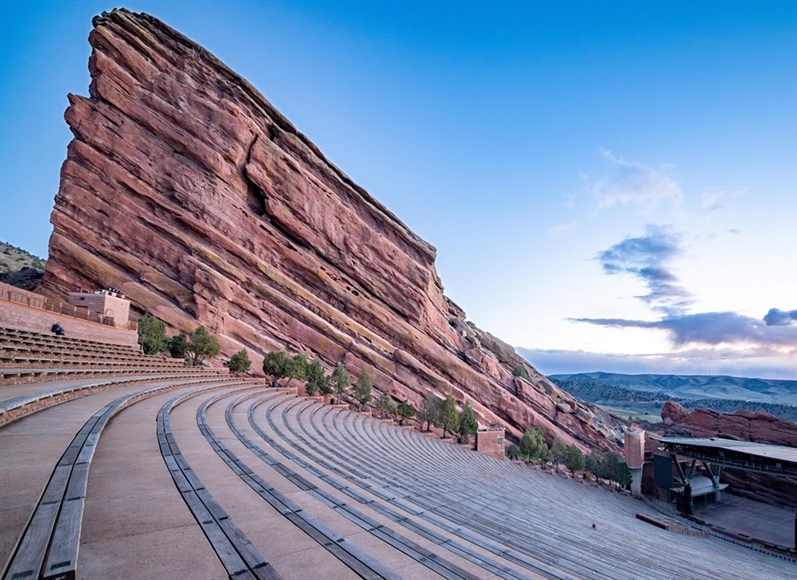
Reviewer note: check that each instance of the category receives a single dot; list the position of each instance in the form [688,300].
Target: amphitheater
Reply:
[120,465]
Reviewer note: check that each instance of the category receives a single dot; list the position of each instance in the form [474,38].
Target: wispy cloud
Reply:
[753,362]
[648,257]
[635,184]
[716,328]
[719,200]
[562,228]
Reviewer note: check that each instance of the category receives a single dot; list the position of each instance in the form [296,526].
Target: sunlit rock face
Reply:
[187,190]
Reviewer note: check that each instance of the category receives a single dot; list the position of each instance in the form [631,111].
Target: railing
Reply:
[39,302]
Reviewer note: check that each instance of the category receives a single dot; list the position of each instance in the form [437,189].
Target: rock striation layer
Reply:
[187,190]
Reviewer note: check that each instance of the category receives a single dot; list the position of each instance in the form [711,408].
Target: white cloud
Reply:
[631,183]
[562,228]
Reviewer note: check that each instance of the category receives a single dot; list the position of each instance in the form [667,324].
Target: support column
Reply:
[636,482]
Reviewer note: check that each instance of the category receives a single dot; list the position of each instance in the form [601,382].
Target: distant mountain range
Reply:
[647,393]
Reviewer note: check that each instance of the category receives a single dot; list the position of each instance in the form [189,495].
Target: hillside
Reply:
[769,391]
[20,268]
[651,402]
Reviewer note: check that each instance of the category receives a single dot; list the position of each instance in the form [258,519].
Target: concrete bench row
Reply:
[22,405]
[354,558]
[48,548]
[32,339]
[236,552]
[409,475]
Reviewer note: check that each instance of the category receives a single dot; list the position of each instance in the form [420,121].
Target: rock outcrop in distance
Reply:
[186,189]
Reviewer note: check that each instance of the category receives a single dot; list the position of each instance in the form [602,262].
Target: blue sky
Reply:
[610,185]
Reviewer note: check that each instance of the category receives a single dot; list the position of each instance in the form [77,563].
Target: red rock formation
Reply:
[187,190]
[742,425]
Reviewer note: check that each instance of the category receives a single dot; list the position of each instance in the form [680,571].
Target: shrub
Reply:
[520,371]
[239,362]
[513,451]
[176,345]
[202,345]
[275,365]
[405,411]
[151,334]
[385,405]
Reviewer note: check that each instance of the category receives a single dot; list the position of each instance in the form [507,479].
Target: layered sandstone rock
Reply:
[187,190]
[742,425]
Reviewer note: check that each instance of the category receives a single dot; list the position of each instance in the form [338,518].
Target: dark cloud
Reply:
[776,317]
[647,257]
[713,328]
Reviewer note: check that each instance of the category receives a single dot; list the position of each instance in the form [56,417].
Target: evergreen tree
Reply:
[574,458]
[532,444]
[176,345]
[405,411]
[151,334]
[592,463]
[275,365]
[513,451]
[558,451]
[468,424]
[449,418]
[385,405]
[340,380]
[202,345]
[429,411]
[239,362]
[296,368]
[362,390]
[316,380]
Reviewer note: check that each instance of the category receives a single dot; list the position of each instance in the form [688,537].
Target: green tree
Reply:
[151,334]
[296,368]
[429,410]
[176,345]
[513,451]
[405,411]
[468,424]
[239,362]
[385,405]
[592,463]
[532,444]
[202,345]
[275,365]
[520,371]
[449,418]
[558,451]
[340,380]
[316,379]
[362,390]
[574,458]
